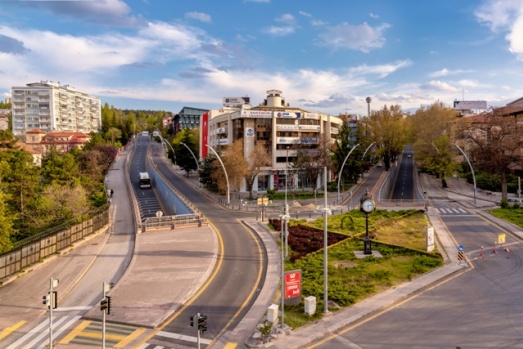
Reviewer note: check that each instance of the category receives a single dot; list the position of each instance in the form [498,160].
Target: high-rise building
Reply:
[49,106]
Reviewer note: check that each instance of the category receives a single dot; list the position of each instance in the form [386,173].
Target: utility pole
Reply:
[105,307]
[51,300]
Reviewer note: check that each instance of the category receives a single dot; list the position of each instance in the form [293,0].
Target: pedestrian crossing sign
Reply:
[501,239]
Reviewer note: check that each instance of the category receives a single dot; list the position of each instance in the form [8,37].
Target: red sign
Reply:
[292,284]
[204,125]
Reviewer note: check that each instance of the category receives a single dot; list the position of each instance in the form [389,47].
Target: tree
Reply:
[432,132]
[353,166]
[114,134]
[387,128]
[6,225]
[235,163]
[59,168]
[495,144]
[259,157]
[312,158]
[184,157]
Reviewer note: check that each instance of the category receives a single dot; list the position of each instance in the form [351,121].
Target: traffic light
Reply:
[108,305]
[46,300]
[51,300]
[192,320]
[202,323]
[104,304]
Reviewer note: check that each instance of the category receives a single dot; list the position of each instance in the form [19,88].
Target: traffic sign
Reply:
[460,248]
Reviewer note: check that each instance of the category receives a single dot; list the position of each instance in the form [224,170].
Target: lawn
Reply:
[512,215]
[398,235]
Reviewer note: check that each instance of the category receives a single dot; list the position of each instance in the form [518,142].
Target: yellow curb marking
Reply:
[75,332]
[8,330]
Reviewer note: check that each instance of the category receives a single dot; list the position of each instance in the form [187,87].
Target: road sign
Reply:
[262,201]
[292,284]
[460,248]
[501,239]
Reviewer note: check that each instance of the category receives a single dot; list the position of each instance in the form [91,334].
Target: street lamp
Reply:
[471,170]
[225,171]
[368,100]
[341,169]
[192,153]
[286,206]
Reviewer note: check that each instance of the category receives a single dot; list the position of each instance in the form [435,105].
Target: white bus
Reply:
[145,181]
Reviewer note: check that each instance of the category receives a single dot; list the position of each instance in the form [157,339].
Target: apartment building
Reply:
[274,124]
[49,106]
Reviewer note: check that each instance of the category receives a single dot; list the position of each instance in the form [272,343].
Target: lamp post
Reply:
[225,171]
[326,213]
[471,170]
[192,153]
[286,206]
[169,144]
[341,169]
[368,100]
[367,206]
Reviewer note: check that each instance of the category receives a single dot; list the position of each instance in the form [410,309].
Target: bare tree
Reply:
[495,144]
[312,158]
[258,158]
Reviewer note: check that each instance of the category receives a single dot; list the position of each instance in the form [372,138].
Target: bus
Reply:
[145,181]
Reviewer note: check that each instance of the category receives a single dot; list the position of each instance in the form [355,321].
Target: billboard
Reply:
[234,101]
[292,284]
[470,105]
[258,114]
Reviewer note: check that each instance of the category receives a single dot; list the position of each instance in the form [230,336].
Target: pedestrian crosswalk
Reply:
[452,211]
[86,332]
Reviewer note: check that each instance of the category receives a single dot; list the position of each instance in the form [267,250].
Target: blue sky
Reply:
[326,56]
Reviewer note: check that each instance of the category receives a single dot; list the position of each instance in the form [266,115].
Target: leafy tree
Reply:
[311,159]
[353,166]
[235,163]
[114,134]
[6,225]
[206,172]
[184,157]
[432,134]
[387,128]
[60,168]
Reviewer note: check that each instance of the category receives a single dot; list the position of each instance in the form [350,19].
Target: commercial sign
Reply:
[258,114]
[292,284]
[249,132]
[470,105]
[234,101]
[284,114]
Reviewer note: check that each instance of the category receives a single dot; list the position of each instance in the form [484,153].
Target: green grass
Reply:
[399,237]
[512,215]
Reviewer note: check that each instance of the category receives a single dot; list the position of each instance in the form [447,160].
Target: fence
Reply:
[33,252]
[183,220]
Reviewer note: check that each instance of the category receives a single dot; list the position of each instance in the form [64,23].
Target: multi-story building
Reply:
[278,127]
[49,106]
[188,117]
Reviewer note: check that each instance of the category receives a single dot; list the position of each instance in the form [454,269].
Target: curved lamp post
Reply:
[341,170]
[192,153]
[225,171]
[471,169]
[169,144]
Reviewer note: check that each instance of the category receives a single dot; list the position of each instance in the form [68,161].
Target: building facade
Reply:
[49,106]
[280,128]
[188,117]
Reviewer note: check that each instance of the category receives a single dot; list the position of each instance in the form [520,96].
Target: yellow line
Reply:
[89,334]
[372,317]
[75,332]
[130,338]
[197,294]
[8,330]
[230,346]
[247,300]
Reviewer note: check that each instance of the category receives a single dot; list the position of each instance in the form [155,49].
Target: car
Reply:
[409,156]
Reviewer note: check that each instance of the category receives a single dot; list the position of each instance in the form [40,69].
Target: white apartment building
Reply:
[274,124]
[49,106]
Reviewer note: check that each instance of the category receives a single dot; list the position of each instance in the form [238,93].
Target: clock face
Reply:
[368,206]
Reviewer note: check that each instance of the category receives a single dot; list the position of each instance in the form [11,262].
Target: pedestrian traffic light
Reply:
[51,300]
[202,323]
[192,320]
[46,300]
[104,304]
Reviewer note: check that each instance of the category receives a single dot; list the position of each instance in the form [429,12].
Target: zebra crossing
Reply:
[87,332]
[38,337]
[453,211]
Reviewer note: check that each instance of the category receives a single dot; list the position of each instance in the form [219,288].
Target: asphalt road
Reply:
[235,282]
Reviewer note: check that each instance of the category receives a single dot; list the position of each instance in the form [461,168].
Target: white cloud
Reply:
[305,14]
[381,70]
[361,37]
[373,15]
[199,16]
[318,23]
[468,83]
[439,85]
[285,18]
[447,72]
[280,31]
[504,16]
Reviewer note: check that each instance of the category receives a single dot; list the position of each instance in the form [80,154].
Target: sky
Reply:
[325,56]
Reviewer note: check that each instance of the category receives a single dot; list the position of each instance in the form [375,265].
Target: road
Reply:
[234,285]
[480,308]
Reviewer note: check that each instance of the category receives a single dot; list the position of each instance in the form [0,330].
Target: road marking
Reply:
[230,346]
[28,335]
[130,338]
[183,337]
[75,332]
[8,330]
[42,335]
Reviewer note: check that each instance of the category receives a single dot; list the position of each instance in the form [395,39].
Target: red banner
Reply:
[292,284]
[204,124]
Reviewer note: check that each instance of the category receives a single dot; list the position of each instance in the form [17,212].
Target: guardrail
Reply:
[33,252]
[173,222]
